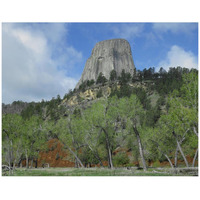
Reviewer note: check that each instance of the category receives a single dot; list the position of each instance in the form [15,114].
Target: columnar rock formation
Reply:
[106,56]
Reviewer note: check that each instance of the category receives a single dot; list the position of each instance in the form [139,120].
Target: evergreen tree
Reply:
[101,79]
[113,75]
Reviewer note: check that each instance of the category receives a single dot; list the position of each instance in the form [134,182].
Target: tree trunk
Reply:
[195,132]
[27,161]
[163,154]
[20,163]
[100,162]
[77,160]
[177,149]
[96,155]
[108,149]
[110,158]
[176,158]
[196,153]
[194,159]
[140,147]
[31,163]
[36,163]
[169,160]
[76,157]
[14,163]
[76,163]
[9,159]
[180,149]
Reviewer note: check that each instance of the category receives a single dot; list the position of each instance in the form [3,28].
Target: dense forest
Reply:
[155,123]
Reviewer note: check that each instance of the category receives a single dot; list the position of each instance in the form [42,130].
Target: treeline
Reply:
[15,107]
[167,131]
[165,81]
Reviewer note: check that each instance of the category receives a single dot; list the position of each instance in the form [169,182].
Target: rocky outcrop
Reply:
[89,95]
[106,56]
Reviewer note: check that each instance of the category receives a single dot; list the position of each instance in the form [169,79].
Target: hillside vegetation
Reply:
[140,120]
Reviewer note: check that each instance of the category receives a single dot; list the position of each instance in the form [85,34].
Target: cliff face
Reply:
[106,56]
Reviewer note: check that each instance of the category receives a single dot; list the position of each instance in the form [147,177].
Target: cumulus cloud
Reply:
[128,31]
[35,61]
[177,56]
[175,28]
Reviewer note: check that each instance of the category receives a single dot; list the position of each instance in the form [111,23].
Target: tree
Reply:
[132,112]
[69,131]
[101,79]
[98,118]
[162,71]
[124,78]
[99,93]
[113,75]
[179,125]
[142,96]
[103,118]
[93,144]
[11,139]
[34,136]
[90,82]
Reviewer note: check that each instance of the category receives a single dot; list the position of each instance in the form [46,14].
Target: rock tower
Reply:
[106,56]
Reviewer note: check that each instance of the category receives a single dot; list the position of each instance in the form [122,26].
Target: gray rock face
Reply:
[106,56]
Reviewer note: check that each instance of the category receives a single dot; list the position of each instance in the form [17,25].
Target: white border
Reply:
[100,187]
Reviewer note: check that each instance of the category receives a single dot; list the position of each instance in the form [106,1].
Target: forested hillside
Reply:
[140,120]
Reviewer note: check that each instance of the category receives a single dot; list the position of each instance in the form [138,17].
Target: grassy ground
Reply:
[92,172]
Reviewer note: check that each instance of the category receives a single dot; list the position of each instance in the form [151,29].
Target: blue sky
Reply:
[41,60]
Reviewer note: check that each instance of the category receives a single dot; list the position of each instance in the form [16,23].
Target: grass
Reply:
[90,172]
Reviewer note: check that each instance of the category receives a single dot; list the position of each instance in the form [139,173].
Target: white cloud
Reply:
[186,28]
[128,31]
[35,62]
[177,56]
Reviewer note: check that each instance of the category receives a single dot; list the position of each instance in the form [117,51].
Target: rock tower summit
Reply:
[106,56]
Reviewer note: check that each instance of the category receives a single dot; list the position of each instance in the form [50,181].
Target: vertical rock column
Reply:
[106,56]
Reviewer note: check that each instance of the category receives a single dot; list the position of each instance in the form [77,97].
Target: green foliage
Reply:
[142,96]
[22,137]
[156,163]
[11,138]
[121,159]
[83,86]
[125,91]
[77,113]
[88,157]
[86,84]
[124,78]
[94,133]
[69,94]
[152,116]
[148,73]
[101,79]
[90,82]
[113,75]
[99,93]
[180,120]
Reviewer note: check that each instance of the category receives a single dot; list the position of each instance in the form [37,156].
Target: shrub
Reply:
[156,163]
[82,87]
[99,93]
[90,82]
[121,159]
